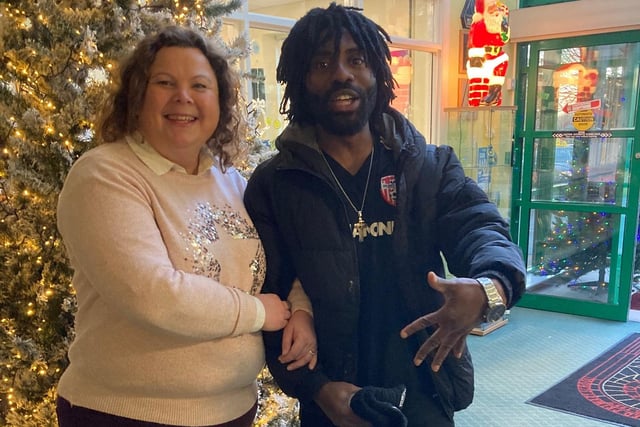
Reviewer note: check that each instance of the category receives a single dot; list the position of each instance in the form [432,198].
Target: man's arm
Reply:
[302,383]
[475,241]
[473,235]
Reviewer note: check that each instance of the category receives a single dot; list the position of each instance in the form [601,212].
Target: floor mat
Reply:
[606,389]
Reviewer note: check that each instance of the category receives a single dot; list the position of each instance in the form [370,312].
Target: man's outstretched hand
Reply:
[464,304]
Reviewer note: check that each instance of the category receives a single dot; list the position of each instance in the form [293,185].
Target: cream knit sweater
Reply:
[166,263]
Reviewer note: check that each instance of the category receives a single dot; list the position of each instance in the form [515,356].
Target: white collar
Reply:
[160,164]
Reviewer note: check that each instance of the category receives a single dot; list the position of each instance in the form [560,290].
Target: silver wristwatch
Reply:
[495,306]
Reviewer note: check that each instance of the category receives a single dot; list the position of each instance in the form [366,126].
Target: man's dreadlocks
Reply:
[311,32]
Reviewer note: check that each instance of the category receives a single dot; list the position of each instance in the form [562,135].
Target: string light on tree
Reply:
[53,78]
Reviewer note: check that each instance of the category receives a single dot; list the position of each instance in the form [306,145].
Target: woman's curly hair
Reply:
[120,114]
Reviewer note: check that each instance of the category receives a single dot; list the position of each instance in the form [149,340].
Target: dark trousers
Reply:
[77,416]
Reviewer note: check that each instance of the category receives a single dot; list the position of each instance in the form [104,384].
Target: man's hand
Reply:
[299,345]
[334,398]
[464,304]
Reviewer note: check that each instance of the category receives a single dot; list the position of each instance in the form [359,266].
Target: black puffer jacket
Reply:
[303,224]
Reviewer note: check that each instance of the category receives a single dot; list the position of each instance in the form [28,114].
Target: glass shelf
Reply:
[482,138]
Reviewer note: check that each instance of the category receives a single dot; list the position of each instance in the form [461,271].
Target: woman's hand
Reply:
[299,345]
[277,312]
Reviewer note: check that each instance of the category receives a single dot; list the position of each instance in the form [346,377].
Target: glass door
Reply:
[577,172]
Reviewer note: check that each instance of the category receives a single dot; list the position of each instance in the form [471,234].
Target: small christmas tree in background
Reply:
[578,243]
[56,61]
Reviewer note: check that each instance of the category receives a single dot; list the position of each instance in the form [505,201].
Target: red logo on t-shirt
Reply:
[388,189]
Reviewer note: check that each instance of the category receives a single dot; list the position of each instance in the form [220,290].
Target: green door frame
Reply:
[624,240]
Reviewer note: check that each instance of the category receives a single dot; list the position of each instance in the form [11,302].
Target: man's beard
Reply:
[340,123]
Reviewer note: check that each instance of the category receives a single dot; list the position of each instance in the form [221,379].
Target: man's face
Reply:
[340,88]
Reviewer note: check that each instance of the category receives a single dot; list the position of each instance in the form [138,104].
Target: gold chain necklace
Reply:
[360,226]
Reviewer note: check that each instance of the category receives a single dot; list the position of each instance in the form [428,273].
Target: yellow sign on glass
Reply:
[583,119]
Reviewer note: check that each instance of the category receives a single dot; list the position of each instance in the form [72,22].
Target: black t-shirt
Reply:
[384,359]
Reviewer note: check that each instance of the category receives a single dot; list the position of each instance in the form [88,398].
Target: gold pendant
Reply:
[360,227]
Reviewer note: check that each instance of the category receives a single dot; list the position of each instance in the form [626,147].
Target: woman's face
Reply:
[181,108]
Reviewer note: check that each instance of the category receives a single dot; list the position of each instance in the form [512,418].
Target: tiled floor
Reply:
[532,352]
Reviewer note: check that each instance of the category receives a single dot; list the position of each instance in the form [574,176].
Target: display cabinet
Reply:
[482,138]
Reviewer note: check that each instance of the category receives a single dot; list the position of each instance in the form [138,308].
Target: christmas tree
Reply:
[56,61]
[576,243]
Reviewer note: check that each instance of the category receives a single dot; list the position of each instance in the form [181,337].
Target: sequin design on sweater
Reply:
[259,270]
[205,224]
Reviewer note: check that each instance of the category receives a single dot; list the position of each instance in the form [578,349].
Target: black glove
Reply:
[380,406]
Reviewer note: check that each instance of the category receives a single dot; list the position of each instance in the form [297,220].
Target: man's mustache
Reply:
[338,86]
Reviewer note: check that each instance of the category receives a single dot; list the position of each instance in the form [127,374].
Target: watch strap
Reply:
[493,296]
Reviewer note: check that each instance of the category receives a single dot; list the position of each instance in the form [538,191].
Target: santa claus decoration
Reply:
[488,62]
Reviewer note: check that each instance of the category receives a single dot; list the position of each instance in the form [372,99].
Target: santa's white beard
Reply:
[493,23]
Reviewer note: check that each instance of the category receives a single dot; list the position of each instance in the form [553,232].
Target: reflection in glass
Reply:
[413,19]
[581,169]
[266,92]
[599,80]
[415,88]
[482,140]
[570,254]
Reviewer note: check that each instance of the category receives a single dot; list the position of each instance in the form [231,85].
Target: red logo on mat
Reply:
[613,385]
[388,189]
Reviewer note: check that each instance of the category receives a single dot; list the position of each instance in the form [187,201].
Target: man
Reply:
[359,208]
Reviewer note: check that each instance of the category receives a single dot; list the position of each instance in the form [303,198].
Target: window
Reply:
[412,25]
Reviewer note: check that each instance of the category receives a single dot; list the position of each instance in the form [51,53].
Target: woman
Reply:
[168,266]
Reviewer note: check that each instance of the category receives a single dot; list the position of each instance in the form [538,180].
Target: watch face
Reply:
[495,313]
